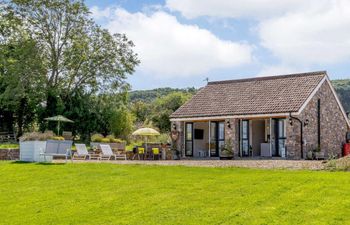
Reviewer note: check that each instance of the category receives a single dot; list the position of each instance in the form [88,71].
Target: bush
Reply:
[37,136]
[111,137]
[97,137]
[105,140]
[58,138]
[116,140]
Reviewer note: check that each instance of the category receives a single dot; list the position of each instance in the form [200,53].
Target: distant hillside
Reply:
[343,90]
[341,86]
[150,95]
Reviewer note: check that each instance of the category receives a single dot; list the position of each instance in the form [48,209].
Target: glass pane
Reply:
[245,147]
[221,131]
[281,148]
[281,131]
[189,131]
[244,129]
[213,132]
[189,148]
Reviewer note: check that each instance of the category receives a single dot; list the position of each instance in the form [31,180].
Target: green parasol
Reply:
[59,119]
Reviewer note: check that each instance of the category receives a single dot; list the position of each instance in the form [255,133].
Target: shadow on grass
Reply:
[39,163]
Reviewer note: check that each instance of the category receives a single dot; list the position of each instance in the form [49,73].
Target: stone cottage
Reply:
[285,116]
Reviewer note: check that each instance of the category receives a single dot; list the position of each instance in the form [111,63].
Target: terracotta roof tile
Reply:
[261,95]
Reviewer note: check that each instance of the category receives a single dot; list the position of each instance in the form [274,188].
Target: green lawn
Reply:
[117,194]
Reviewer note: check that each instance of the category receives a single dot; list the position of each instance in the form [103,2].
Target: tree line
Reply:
[55,60]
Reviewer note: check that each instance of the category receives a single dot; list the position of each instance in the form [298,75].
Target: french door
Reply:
[189,139]
[280,132]
[244,134]
[217,138]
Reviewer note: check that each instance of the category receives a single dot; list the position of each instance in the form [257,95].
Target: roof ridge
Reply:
[314,73]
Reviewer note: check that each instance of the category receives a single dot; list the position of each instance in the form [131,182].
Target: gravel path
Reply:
[262,164]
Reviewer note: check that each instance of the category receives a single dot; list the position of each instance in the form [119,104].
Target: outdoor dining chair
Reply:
[141,152]
[155,153]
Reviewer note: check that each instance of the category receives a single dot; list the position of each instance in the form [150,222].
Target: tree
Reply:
[78,67]
[122,122]
[22,74]
[78,54]
[165,106]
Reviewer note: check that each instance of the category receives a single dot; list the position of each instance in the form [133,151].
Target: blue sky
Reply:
[181,42]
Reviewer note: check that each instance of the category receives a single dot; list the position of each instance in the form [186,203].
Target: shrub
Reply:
[116,140]
[37,136]
[105,140]
[97,137]
[58,138]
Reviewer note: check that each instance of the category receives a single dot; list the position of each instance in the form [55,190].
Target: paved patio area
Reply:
[262,164]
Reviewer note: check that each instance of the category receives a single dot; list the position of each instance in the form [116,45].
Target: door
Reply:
[280,133]
[217,138]
[281,138]
[189,139]
[244,137]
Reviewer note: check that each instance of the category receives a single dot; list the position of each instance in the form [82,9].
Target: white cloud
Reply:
[234,9]
[319,34]
[168,48]
[312,32]
[98,13]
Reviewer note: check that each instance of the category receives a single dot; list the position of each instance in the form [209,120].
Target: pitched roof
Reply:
[260,95]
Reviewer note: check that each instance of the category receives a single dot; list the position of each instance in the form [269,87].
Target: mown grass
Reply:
[133,194]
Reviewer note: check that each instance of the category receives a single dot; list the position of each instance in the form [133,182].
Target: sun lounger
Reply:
[108,154]
[83,153]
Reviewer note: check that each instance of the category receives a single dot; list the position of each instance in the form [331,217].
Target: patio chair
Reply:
[108,154]
[83,153]
[141,152]
[155,152]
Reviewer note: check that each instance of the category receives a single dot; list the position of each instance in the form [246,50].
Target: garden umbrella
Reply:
[146,132]
[59,119]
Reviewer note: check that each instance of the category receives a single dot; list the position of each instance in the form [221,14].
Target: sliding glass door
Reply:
[189,139]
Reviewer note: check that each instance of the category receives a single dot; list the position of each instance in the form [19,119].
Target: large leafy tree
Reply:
[80,60]
[78,52]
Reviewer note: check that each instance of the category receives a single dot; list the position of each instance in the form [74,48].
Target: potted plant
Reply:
[318,154]
[310,155]
[227,150]
[31,144]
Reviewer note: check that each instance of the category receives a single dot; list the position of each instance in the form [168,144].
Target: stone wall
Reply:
[9,154]
[333,126]
[232,134]
[180,143]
